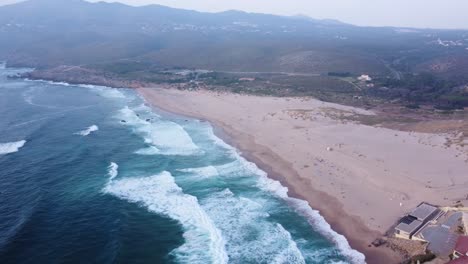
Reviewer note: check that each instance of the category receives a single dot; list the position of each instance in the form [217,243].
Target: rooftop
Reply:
[409,224]
[462,260]
[423,211]
[462,245]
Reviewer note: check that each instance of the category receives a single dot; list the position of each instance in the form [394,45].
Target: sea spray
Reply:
[11,147]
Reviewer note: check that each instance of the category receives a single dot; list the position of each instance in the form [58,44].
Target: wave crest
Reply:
[88,131]
[160,194]
[11,147]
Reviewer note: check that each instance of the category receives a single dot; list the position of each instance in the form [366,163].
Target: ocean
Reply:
[91,174]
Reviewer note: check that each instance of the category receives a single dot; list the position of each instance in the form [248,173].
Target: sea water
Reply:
[91,174]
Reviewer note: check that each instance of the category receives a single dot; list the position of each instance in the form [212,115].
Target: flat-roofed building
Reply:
[424,212]
[414,221]
[407,227]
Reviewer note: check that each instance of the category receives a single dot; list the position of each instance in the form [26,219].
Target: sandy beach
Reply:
[361,178]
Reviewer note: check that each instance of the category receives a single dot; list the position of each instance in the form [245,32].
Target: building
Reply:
[364,78]
[461,248]
[407,227]
[462,260]
[414,221]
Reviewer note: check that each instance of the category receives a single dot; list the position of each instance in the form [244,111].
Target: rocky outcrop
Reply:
[81,75]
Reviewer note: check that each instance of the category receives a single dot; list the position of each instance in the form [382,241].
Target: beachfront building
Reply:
[414,221]
[461,248]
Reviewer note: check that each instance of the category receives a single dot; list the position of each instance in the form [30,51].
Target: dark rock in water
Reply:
[123,121]
[138,115]
[147,120]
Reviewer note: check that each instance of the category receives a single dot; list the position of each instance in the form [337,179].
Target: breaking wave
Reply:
[165,137]
[250,236]
[11,147]
[104,91]
[88,131]
[160,194]
[240,166]
[204,172]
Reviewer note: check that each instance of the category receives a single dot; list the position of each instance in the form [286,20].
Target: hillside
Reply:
[118,39]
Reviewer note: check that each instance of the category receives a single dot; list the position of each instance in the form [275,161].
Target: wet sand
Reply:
[360,178]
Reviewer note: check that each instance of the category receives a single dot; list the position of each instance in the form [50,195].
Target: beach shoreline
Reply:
[358,234]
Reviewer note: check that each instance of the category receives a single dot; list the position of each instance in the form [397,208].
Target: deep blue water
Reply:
[92,175]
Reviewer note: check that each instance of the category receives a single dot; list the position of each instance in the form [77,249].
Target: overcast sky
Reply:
[410,13]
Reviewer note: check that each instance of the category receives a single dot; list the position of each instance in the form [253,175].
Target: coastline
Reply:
[344,203]
[361,178]
[357,234]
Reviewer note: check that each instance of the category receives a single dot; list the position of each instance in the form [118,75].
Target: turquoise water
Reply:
[93,175]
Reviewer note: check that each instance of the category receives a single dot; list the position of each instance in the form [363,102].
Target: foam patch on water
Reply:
[250,237]
[204,172]
[11,147]
[241,165]
[28,97]
[113,170]
[152,150]
[318,222]
[88,131]
[105,91]
[143,108]
[168,138]
[160,194]
[314,218]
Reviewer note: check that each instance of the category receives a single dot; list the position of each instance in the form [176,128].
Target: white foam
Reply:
[113,170]
[152,150]
[250,236]
[58,83]
[204,172]
[314,218]
[28,96]
[146,109]
[47,81]
[160,194]
[88,131]
[167,137]
[11,147]
[104,91]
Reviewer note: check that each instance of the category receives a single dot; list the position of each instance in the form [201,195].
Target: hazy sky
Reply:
[411,13]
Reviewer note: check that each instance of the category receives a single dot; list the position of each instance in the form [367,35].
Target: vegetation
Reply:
[424,88]
[285,56]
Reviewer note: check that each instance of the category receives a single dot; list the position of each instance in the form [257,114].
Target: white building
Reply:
[364,78]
